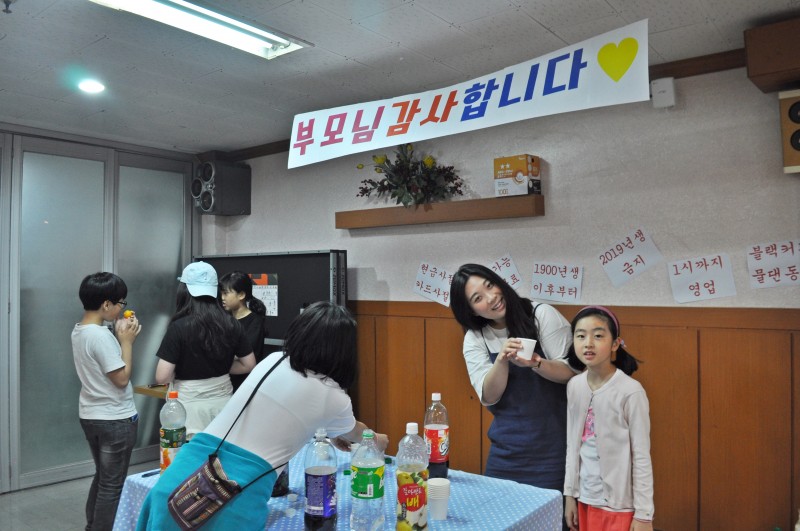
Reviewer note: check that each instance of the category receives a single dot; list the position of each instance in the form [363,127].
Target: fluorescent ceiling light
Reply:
[202,21]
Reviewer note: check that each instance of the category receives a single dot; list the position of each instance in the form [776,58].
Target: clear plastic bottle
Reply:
[437,437]
[412,480]
[320,468]
[173,429]
[367,467]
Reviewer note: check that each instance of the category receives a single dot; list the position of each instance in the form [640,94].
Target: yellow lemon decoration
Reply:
[615,59]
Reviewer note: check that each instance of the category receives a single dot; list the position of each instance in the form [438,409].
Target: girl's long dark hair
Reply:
[625,360]
[240,282]
[519,310]
[215,329]
[322,339]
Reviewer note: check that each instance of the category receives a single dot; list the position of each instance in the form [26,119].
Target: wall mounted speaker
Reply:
[790,130]
[222,188]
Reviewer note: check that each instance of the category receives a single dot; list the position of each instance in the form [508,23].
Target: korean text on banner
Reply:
[609,69]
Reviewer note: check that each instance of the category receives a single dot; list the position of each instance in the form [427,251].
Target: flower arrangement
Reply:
[410,179]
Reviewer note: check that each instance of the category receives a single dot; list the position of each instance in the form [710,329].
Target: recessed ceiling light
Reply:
[91,86]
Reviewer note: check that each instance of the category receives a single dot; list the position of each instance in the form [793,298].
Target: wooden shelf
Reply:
[518,206]
[158,391]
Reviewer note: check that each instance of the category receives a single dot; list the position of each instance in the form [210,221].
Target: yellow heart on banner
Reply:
[615,60]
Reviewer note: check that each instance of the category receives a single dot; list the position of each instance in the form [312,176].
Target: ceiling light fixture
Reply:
[194,18]
[91,86]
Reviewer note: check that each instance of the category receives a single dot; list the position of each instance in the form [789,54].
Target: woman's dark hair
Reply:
[625,360]
[240,282]
[519,310]
[322,339]
[215,329]
[98,288]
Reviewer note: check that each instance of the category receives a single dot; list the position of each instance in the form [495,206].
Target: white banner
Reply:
[609,69]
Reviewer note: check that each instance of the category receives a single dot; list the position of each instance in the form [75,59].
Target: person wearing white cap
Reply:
[203,345]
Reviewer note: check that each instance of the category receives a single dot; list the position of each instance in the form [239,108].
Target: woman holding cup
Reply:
[527,396]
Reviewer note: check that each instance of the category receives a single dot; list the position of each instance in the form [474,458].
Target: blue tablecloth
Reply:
[476,502]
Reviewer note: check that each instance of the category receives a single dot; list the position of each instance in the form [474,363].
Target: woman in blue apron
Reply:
[527,397]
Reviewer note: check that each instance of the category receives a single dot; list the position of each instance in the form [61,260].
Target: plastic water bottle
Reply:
[437,437]
[173,429]
[412,481]
[367,467]
[320,466]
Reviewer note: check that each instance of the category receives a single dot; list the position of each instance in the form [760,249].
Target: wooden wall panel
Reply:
[668,373]
[363,396]
[745,433]
[795,516]
[446,373]
[400,375]
[724,388]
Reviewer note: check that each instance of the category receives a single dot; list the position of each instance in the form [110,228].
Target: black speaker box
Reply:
[222,188]
[790,130]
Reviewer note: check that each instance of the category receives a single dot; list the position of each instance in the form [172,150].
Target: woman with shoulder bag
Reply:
[263,426]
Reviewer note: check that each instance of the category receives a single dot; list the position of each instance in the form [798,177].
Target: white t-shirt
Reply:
[286,411]
[555,336]
[96,352]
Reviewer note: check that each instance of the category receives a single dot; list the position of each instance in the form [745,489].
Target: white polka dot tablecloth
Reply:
[477,503]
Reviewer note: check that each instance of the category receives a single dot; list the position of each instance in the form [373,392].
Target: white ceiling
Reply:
[170,89]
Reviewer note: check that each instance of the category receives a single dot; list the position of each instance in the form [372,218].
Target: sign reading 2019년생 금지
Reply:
[609,69]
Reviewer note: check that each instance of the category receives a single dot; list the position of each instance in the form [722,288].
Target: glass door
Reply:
[75,210]
[152,214]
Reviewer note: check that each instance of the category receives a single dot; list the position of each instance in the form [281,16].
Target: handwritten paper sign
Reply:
[697,279]
[265,289]
[556,282]
[507,269]
[433,283]
[774,264]
[609,69]
[629,257]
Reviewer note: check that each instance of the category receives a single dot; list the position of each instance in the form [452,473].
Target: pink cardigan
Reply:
[622,424]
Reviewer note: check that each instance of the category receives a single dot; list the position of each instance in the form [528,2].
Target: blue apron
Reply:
[529,430]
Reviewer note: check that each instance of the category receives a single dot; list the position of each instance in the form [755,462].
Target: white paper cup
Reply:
[527,348]
[437,508]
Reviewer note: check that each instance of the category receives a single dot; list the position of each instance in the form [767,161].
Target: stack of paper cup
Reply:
[438,496]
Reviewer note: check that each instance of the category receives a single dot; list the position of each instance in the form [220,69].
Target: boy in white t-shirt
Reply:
[107,413]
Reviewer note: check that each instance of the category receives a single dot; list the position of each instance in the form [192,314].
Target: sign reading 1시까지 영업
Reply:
[609,69]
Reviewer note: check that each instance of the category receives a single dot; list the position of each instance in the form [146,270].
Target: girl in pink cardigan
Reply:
[609,475]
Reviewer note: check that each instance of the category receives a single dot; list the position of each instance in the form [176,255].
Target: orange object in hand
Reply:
[128,314]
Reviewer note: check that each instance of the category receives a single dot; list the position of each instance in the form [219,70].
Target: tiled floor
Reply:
[58,507]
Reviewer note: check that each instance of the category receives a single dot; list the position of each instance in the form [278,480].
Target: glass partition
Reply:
[149,243]
[61,241]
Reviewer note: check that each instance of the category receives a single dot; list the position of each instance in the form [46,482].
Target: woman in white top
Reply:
[305,391]
[527,397]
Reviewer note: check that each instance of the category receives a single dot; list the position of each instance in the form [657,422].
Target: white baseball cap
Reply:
[200,279]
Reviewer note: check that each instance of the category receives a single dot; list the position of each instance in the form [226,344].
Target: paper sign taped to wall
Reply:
[774,264]
[556,282]
[701,278]
[433,283]
[629,257]
[507,269]
[266,290]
